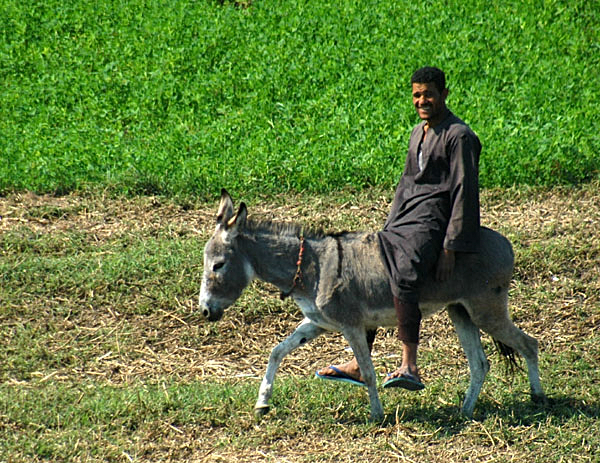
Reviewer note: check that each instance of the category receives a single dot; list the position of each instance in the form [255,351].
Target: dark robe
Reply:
[433,208]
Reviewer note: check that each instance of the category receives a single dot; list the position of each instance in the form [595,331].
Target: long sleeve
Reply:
[462,233]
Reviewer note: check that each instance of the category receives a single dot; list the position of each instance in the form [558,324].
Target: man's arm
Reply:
[463,228]
[462,233]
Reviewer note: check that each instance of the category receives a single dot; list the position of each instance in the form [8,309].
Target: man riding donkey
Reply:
[435,214]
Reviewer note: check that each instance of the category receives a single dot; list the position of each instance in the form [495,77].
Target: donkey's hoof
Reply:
[377,417]
[540,399]
[467,412]
[261,410]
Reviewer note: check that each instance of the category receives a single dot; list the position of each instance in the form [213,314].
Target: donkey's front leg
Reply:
[357,339]
[306,331]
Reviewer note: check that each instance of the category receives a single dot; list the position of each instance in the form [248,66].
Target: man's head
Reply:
[428,75]
[429,94]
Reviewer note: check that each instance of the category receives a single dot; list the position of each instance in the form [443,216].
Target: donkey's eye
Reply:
[217,266]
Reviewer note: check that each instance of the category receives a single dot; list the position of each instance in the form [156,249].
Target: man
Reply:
[435,214]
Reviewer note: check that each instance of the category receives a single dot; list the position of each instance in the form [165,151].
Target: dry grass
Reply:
[555,297]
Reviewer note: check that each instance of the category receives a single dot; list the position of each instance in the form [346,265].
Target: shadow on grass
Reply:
[560,407]
[450,420]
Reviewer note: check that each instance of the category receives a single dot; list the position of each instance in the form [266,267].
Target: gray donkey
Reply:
[340,284]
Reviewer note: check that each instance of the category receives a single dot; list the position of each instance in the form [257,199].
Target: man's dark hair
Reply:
[427,75]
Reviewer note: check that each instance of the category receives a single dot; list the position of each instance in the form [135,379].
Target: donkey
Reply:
[340,284]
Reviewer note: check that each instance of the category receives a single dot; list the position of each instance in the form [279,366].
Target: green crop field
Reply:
[184,97]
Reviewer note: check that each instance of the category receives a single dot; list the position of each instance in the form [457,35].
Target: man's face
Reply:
[429,102]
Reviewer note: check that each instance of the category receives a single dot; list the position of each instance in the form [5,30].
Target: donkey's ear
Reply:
[239,219]
[225,212]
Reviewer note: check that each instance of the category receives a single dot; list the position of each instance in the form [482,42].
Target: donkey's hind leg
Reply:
[469,337]
[500,327]
[305,332]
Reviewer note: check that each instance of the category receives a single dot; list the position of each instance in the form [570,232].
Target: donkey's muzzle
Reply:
[212,314]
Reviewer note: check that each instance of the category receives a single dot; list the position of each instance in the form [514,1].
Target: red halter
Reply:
[298,276]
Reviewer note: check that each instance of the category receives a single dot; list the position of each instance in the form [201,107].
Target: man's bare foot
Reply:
[412,370]
[406,377]
[346,371]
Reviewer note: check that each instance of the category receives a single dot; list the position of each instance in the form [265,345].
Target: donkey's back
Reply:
[486,273]
[352,277]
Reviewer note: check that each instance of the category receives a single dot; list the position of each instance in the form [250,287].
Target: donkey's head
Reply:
[227,271]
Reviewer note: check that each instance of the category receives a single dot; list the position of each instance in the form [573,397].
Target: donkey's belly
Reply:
[384,317]
[315,315]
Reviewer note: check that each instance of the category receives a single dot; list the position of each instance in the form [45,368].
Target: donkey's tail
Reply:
[510,356]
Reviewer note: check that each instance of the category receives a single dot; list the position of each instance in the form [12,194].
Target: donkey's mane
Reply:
[286,229]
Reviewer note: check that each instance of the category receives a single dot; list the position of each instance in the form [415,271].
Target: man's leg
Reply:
[350,368]
[409,324]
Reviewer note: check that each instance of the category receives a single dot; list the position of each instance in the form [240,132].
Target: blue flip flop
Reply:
[405,381]
[340,376]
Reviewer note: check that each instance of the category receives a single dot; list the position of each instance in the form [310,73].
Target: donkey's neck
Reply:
[273,250]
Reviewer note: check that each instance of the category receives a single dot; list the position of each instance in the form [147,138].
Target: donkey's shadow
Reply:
[516,412]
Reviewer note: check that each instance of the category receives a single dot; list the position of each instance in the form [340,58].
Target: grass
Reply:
[182,98]
[105,357]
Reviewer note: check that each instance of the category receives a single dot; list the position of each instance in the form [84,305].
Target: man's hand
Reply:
[445,265]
